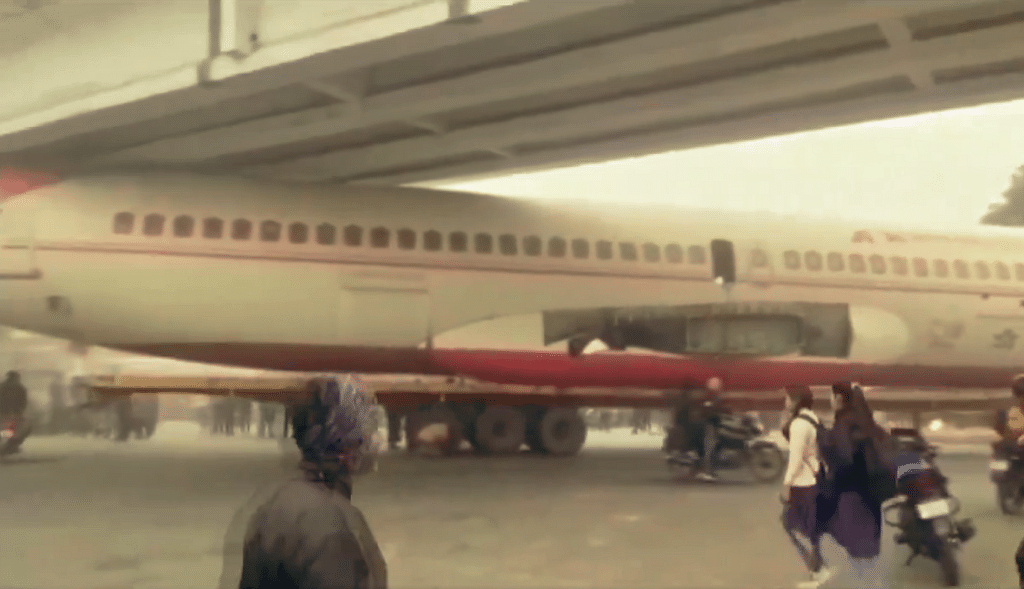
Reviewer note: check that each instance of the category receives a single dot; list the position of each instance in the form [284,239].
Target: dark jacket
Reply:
[854,519]
[13,398]
[308,535]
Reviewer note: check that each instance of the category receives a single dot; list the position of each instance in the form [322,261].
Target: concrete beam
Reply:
[691,102]
[691,44]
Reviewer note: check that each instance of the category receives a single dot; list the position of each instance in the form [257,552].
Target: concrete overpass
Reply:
[399,91]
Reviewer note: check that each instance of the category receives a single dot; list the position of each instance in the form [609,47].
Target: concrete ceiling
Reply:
[536,88]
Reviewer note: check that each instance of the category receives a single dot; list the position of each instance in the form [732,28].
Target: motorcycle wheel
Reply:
[1010,498]
[950,566]
[766,463]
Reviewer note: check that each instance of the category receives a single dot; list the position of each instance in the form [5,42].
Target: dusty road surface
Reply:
[84,514]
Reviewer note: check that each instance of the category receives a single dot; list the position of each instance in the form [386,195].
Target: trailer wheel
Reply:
[562,431]
[435,414]
[500,430]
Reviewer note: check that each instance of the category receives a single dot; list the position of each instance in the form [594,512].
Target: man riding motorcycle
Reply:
[13,403]
[1010,426]
[708,422]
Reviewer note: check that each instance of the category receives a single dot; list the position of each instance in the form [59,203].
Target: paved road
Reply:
[154,514]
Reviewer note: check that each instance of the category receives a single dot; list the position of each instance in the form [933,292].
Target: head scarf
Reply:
[337,426]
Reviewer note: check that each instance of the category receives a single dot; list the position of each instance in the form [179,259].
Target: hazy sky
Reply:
[939,169]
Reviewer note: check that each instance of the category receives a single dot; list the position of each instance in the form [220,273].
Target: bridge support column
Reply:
[234,27]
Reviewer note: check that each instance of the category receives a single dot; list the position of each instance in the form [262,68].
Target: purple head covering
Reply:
[339,420]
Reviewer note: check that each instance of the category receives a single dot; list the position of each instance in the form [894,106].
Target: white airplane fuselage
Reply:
[162,264]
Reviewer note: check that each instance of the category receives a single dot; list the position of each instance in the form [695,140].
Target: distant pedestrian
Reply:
[268,414]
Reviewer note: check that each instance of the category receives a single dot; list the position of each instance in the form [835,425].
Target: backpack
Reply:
[828,457]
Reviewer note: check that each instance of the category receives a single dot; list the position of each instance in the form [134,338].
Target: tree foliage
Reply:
[1011,212]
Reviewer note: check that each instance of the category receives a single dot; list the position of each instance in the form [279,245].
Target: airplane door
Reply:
[723,261]
[378,311]
[17,243]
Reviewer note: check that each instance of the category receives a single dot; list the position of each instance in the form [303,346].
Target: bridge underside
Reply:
[409,91]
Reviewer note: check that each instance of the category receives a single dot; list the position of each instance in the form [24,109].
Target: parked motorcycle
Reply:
[739,446]
[1006,469]
[924,509]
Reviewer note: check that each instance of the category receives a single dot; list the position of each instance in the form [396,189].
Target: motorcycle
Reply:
[1006,469]
[13,431]
[924,507]
[739,446]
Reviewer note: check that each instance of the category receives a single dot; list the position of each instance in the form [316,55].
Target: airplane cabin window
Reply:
[483,243]
[1018,270]
[961,269]
[674,253]
[580,248]
[792,259]
[899,265]
[432,240]
[857,264]
[835,262]
[921,267]
[556,247]
[380,237]
[458,241]
[941,268]
[184,225]
[153,224]
[627,251]
[213,228]
[604,250]
[652,252]
[407,239]
[532,245]
[1002,271]
[353,235]
[326,234]
[270,231]
[813,261]
[877,264]
[124,223]
[508,245]
[981,269]
[298,233]
[697,254]
[241,229]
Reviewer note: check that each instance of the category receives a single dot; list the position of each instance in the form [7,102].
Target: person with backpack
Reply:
[863,477]
[800,489]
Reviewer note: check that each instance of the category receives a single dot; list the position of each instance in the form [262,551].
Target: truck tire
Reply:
[436,414]
[562,431]
[500,430]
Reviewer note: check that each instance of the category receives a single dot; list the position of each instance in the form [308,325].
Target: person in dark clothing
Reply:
[307,534]
[1010,427]
[268,413]
[244,415]
[852,516]
[710,414]
[13,404]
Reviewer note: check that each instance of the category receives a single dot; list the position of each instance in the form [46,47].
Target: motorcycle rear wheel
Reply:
[1010,498]
[950,565]
[766,463]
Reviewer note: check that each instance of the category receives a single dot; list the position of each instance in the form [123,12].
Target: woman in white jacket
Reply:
[799,486]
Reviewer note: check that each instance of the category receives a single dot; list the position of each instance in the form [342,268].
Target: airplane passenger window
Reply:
[184,225]
[580,248]
[627,251]
[298,233]
[674,254]
[556,247]
[981,269]
[380,237]
[792,259]
[353,235]
[1018,270]
[697,255]
[508,245]
[920,267]
[652,252]
[961,269]
[124,223]
[270,231]
[153,224]
[877,264]
[835,262]
[899,265]
[604,250]
[813,261]
[432,240]
[326,234]
[483,243]
[213,228]
[458,241]
[941,268]
[1002,271]
[857,264]
[532,245]
[407,239]
[241,229]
